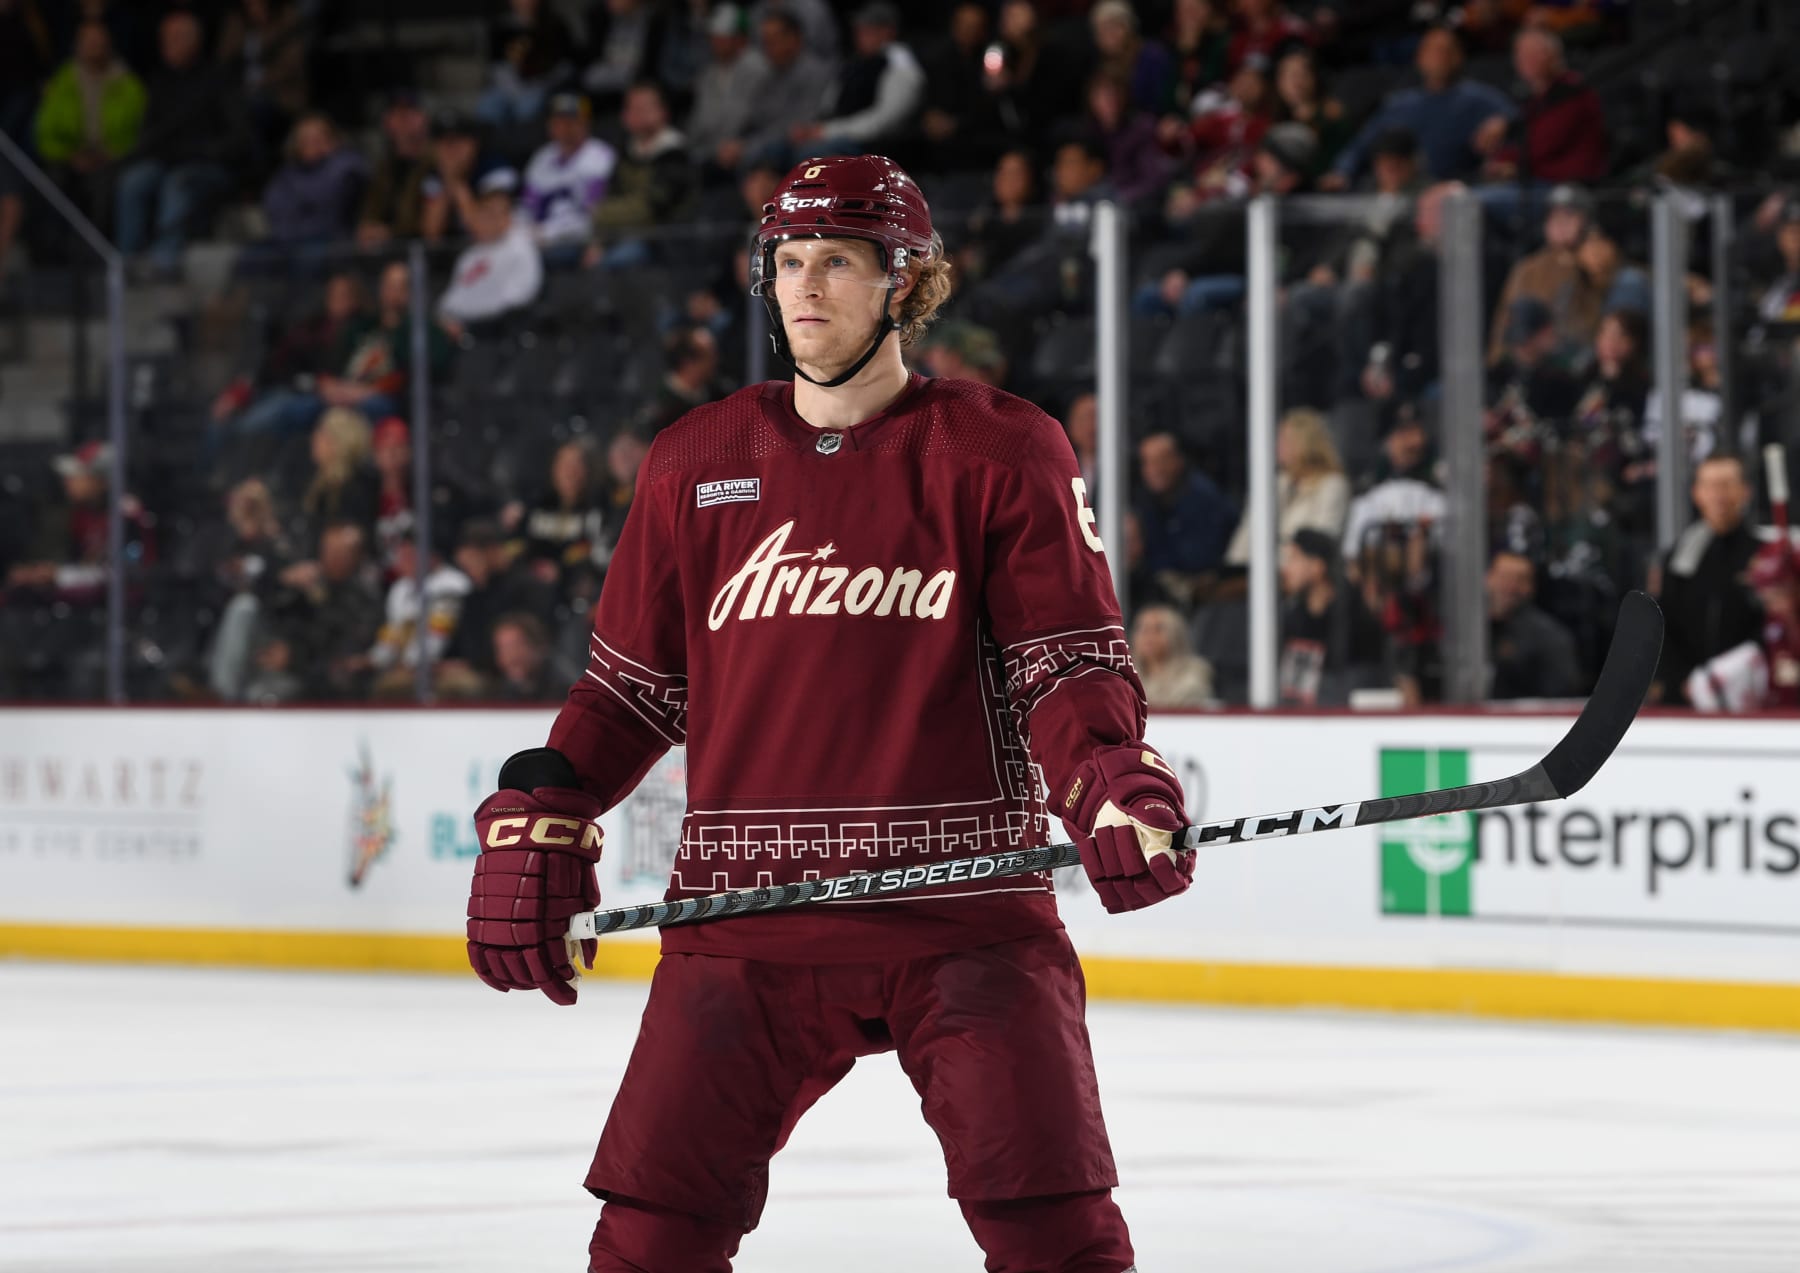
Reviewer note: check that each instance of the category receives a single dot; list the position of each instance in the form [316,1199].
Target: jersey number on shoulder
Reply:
[1084,516]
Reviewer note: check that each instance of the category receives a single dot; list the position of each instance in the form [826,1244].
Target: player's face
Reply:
[831,292]
[1721,494]
[568,131]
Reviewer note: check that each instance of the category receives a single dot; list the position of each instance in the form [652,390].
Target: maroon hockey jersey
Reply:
[871,642]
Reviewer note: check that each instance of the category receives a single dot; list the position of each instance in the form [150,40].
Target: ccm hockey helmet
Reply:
[867,197]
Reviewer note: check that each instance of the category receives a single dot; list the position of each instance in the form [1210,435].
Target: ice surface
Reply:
[223,1122]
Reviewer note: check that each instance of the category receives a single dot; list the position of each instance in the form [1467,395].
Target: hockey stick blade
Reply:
[1624,682]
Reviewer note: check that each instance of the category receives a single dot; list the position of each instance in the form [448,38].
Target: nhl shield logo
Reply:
[828,443]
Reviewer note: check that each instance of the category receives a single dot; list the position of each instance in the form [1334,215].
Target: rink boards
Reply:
[1667,892]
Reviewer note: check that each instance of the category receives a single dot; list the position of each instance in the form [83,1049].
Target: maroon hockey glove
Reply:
[539,843]
[1124,808]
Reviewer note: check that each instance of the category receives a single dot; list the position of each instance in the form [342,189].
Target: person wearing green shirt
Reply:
[91,113]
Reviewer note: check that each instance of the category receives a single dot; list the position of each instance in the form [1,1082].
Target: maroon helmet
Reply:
[846,197]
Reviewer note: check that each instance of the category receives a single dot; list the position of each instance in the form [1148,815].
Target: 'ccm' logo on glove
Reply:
[504,832]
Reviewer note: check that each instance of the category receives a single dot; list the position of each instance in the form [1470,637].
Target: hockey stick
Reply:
[1775,474]
[1624,681]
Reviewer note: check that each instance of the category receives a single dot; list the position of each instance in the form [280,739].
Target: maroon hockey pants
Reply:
[732,1052]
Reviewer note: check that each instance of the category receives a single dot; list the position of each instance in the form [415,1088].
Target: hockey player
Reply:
[875,609]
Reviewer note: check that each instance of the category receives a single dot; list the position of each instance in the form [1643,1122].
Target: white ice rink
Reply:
[214,1122]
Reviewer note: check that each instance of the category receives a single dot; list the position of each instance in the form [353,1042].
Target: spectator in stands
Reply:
[1007,222]
[1219,144]
[625,455]
[500,271]
[788,92]
[624,47]
[1283,163]
[1195,277]
[653,184]
[1135,162]
[962,119]
[311,202]
[1407,451]
[1394,164]
[1530,655]
[1402,360]
[722,101]
[246,576]
[1333,286]
[1553,275]
[691,355]
[1036,81]
[1402,487]
[390,663]
[312,347]
[1560,133]
[964,350]
[1330,644]
[1266,28]
[1530,394]
[90,116]
[1184,519]
[1312,490]
[523,669]
[1707,607]
[1163,652]
[268,36]
[565,181]
[190,130]
[1691,161]
[1513,525]
[1144,68]
[817,18]
[393,207]
[1449,115]
[1608,420]
[458,165]
[67,557]
[392,454]
[1780,302]
[498,587]
[1702,403]
[878,91]
[1300,98]
[1051,272]
[374,361]
[1200,40]
[343,487]
[568,535]
[530,52]
[273,679]
[1081,420]
[333,614]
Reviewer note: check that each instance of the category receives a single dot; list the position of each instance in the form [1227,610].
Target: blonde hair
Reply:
[933,282]
[349,431]
[1317,454]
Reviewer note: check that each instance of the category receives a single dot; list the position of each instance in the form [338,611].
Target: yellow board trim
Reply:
[1524,995]
[252,948]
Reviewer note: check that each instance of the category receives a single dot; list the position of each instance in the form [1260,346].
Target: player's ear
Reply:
[909,280]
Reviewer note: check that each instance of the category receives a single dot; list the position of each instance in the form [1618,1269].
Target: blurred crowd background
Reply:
[583,178]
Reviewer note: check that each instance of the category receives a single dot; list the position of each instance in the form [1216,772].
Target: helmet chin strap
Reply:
[778,338]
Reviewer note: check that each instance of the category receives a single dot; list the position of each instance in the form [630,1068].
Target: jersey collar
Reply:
[778,408]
